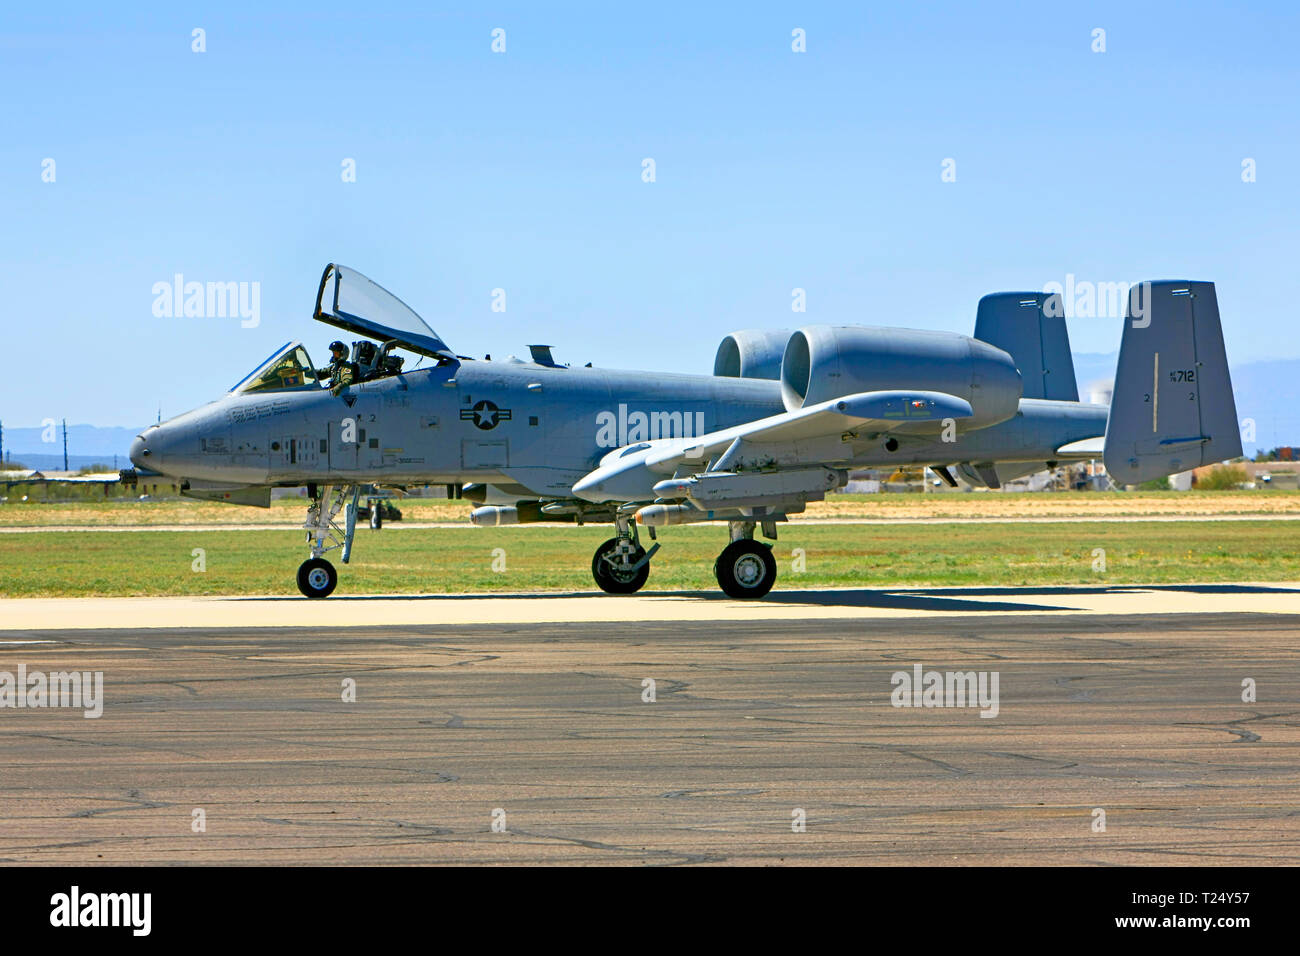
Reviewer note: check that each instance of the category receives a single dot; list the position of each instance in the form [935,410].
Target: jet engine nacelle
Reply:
[752,353]
[822,362]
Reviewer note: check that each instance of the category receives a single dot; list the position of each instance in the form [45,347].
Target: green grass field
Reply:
[93,512]
[72,564]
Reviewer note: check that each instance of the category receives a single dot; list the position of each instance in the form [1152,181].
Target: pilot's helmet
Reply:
[336,347]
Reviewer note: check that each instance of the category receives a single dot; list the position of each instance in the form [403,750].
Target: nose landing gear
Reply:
[621,565]
[316,576]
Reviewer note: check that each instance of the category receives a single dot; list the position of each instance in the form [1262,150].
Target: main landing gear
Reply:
[746,568]
[316,576]
[621,565]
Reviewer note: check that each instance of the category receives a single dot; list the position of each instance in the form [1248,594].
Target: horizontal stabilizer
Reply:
[1087,448]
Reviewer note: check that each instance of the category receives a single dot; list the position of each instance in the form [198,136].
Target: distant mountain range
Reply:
[87,445]
[1267,392]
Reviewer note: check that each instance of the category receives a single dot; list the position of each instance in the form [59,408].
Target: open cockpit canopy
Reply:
[349,300]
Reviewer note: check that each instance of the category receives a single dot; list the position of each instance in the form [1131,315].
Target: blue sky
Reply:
[522,170]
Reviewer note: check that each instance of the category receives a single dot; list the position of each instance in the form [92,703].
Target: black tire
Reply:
[376,519]
[745,569]
[613,581]
[317,578]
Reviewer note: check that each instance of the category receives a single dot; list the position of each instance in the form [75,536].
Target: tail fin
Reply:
[1173,407]
[1030,326]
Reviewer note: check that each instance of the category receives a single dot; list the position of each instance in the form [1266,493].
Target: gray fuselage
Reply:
[535,427]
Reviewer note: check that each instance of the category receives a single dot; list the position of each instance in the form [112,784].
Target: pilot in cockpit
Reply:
[340,371]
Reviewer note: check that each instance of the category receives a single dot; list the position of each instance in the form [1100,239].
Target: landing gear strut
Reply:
[746,568]
[316,576]
[621,565]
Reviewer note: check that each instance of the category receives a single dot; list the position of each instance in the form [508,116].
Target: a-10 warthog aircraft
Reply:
[780,423]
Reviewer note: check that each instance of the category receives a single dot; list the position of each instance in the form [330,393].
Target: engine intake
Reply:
[751,353]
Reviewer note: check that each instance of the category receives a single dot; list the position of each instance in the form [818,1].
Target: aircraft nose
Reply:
[140,452]
[149,447]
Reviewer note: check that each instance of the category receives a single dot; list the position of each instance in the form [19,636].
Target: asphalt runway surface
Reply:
[759,721]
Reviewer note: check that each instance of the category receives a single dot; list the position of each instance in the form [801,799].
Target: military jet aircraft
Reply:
[782,420]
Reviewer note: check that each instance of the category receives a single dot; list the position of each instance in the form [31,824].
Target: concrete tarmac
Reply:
[795,605]
[758,721]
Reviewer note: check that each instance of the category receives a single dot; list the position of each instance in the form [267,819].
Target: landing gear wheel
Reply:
[611,577]
[317,578]
[745,569]
[376,518]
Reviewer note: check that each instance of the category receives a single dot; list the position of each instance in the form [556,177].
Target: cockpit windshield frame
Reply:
[289,368]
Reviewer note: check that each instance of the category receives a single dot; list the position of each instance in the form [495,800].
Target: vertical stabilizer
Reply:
[1030,327]
[1173,407]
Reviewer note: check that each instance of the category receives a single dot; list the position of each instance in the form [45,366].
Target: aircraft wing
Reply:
[813,437]
[349,300]
[869,411]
